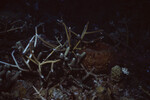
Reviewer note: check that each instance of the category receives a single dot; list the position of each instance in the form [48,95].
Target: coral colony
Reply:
[68,55]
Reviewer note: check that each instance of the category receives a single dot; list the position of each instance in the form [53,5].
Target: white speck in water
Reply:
[148,70]
[54,49]
[78,35]
[42,76]
[102,37]
[125,71]
[76,93]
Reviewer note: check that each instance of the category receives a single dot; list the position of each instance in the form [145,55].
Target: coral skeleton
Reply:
[65,54]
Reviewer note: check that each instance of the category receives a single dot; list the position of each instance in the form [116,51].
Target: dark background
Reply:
[97,11]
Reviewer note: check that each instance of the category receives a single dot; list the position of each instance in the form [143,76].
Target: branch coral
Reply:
[68,52]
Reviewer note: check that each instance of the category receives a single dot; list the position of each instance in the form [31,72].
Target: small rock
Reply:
[116,73]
